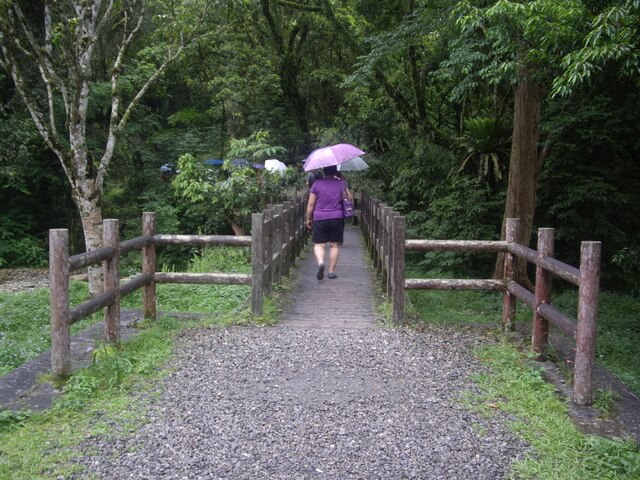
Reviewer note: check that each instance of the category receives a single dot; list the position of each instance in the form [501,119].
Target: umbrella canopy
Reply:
[214,161]
[273,165]
[331,155]
[356,163]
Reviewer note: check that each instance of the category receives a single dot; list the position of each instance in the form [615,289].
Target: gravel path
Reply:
[283,403]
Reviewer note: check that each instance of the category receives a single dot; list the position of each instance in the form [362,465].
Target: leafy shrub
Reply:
[18,248]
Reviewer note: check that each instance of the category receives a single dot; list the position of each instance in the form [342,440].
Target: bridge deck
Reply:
[348,301]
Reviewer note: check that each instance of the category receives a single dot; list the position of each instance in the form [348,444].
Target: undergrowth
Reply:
[25,330]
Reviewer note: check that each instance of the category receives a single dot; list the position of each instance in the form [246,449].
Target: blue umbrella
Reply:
[214,161]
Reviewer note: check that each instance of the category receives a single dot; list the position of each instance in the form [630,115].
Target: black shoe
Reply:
[332,275]
[320,274]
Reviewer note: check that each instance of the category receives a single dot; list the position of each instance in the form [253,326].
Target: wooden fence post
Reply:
[287,227]
[278,225]
[111,238]
[363,219]
[544,278]
[376,237]
[586,329]
[267,235]
[387,259]
[149,298]
[59,301]
[257,264]
[398,238]
[301,226]
[509,300]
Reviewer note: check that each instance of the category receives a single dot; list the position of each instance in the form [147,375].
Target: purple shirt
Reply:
[328,192]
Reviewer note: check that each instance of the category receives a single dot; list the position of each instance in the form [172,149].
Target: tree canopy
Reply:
[469,111]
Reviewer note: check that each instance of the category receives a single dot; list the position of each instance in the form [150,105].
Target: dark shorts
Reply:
[331,230]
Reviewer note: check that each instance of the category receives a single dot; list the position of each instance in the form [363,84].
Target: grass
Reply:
[105,399]
[25,331]
[512,386]
[618,341]
[99,400]
[560,451]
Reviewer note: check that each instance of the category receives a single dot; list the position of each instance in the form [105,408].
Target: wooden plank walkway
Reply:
[346,302]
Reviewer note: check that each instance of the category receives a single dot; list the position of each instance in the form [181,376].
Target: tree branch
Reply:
[299,6]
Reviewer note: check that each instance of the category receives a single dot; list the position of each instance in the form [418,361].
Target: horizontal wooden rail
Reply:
[83,260]
[204,278]
[457,245]
[203,240]
[566,272]
[548,311]
[137,243]
[91,306]
[135,283]
[566,324]
[452,284]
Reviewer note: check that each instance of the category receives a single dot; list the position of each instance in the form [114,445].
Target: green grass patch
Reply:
[98,400]
[25,329]
[560,450]
[618,342]
[203,298]
[459,307]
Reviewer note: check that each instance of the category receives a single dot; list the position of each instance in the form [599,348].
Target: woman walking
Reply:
[325,218]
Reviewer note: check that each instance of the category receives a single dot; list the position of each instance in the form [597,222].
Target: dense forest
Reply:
[469,111]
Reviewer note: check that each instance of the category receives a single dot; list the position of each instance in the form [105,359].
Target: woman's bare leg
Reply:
[318,252]
[334,254]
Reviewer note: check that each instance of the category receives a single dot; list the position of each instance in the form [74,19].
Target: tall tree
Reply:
[59,52]
[520,43]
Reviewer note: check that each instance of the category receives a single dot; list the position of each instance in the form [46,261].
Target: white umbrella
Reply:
[356,163]
[273,165]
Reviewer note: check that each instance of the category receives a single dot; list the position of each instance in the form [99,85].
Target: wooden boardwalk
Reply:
[348,301]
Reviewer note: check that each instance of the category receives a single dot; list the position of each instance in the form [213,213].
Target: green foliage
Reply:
[103,396]
[464,307]
[209,299]
[605,402]
[222,259]
[256,147]
[114,368]
[585,197]
[17,248]
[12,420]
[95,401]
[462,208]
[485,141]
[540,417]
[234,192]
[613,39]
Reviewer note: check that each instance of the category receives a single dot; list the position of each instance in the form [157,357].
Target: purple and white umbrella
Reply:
[331,155]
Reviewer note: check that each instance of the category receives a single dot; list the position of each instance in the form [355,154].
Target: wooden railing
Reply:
[385,231]
[278,236]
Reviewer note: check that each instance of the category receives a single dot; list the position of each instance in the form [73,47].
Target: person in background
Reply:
[313,176]
[325,218]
